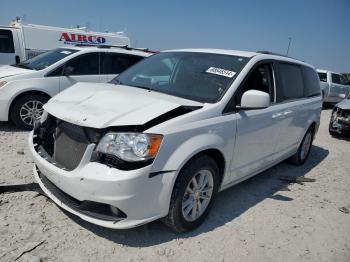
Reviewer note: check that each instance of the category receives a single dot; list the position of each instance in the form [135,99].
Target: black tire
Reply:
[175,219]
[297,159]
[17,106]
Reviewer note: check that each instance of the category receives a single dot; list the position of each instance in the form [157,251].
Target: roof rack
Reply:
[271,53]
[126,47]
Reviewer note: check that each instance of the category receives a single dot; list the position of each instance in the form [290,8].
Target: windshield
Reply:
[46,59]
[201,77]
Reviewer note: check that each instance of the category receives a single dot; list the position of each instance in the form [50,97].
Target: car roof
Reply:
[325,71]
[248,54]
[119,50]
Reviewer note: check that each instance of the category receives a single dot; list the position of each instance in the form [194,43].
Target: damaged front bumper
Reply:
[340,121]
[104,195]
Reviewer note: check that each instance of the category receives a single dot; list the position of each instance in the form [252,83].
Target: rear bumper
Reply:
[141,198]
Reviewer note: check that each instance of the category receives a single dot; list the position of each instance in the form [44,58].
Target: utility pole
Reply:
[290,41]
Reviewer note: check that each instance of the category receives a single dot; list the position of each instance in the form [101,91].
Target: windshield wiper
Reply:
[23,66]
[116,82]
[143,87]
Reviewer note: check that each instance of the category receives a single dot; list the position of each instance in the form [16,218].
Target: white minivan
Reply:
[167,134]
[27,86]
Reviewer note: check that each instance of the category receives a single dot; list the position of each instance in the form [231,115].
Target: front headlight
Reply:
[2,83]
[334,114]
[130,146]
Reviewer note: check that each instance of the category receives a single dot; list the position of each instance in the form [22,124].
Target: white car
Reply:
[167,134]
[333,85]
[27,86]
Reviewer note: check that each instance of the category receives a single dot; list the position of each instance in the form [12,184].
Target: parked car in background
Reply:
[334,86]
[167,134]
[340,119]
[20,41]
[27,86]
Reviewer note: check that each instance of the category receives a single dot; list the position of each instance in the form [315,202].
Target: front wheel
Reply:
[193,194]
[27,109]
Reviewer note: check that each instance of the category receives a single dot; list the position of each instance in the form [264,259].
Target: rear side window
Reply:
[116,63]
[311,82]
[86,64]
[322,77]
[292,81]
[336,79]
[6,42]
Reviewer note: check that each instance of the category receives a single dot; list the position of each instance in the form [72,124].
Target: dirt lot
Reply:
[262,219]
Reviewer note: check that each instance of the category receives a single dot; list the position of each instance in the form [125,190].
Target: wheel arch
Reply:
[212,152]
[18,96]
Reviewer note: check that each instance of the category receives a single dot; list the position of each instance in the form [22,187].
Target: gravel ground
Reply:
[261,219]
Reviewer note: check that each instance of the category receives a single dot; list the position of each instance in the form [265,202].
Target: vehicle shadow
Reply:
[9,127]
[20,188]
[229,205]
[344,137]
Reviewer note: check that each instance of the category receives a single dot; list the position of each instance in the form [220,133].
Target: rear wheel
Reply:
[193,194]
[304,149]
[27,109]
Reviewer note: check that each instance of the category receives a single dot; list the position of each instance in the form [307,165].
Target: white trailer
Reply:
[19,42]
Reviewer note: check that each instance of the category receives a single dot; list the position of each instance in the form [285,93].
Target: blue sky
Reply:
[320,30]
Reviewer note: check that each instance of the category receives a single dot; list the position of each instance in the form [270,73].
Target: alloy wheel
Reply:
[305,147]
[198,194]
[31,111]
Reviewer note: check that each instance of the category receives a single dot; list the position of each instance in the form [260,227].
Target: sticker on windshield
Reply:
[221,72]
[66,52]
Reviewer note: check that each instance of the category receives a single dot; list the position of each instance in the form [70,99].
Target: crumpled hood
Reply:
[103,105]
[6,71]
[344,104]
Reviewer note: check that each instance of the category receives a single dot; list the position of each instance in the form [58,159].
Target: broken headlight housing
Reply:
[334,114]
[131,147]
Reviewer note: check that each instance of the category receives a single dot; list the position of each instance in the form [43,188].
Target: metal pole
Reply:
[290,40]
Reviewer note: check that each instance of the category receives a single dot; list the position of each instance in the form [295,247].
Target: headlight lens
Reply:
[2,83]
[334,114]
[130,146]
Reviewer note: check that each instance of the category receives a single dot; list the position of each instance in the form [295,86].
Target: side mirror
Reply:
[68,70]
[255,99]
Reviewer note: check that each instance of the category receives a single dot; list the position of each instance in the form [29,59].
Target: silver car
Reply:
[334,86]
[340,119]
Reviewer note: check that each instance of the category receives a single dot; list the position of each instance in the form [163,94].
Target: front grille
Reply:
[70,145]
[64,142]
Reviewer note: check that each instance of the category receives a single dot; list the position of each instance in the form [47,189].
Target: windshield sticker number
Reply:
[221,72]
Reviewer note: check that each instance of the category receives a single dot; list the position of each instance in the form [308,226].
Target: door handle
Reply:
[288,112]
[277,115]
